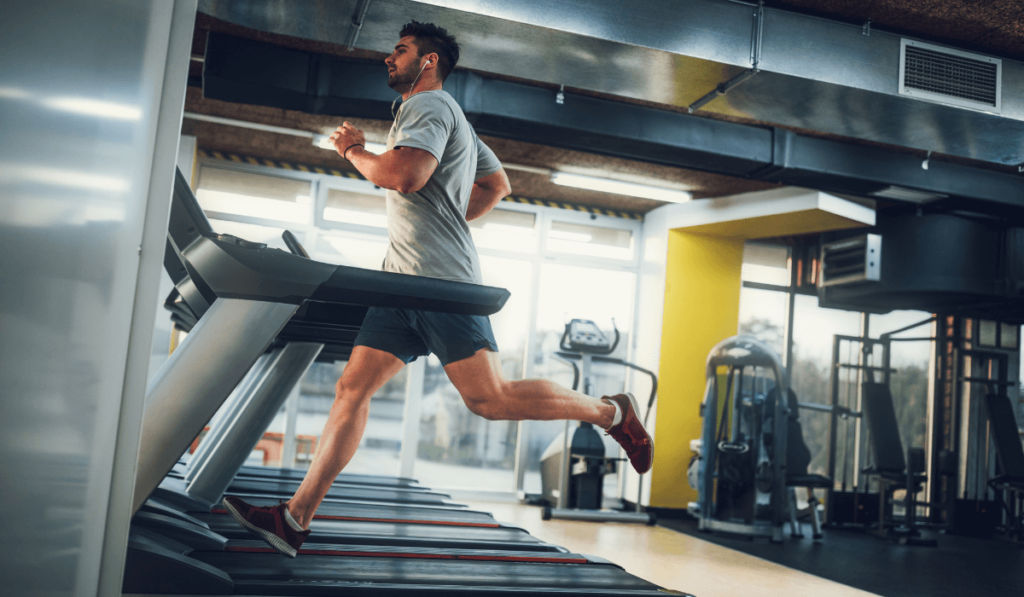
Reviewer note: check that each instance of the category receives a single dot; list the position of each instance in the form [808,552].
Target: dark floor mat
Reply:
[958,567]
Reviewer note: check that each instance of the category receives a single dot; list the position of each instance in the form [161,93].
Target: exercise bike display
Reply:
[574,464]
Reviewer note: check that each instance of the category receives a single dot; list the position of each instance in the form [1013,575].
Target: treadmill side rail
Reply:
[196,380]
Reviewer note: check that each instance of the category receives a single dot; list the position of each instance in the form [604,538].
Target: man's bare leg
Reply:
[367,370]
[488,394]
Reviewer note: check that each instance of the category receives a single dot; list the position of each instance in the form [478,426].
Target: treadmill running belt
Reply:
[287,474]
[378,533]
[426,552]
[270,574]
[372,494]
[331,510]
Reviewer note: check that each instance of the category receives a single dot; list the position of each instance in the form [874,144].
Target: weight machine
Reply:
[751,455]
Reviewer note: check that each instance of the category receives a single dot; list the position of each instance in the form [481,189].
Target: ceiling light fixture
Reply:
[606,185]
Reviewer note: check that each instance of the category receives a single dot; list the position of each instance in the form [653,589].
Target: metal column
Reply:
[227,413]
[245,431]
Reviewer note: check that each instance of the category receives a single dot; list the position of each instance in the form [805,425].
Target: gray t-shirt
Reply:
[427,229]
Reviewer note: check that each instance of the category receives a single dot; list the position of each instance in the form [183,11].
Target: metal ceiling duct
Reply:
[811,73]
[248,71]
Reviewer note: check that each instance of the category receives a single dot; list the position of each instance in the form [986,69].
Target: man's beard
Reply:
[401,81]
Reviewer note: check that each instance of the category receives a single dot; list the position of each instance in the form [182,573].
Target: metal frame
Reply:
[186,392]
[227,413]
[261,401]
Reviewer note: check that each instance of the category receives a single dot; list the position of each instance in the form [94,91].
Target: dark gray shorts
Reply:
[408,334]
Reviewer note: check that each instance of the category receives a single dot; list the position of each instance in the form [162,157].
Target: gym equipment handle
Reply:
[293,244]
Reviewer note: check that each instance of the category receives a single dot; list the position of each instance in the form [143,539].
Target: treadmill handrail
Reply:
[237,269]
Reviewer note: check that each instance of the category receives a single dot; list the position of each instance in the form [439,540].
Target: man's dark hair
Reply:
[433,39]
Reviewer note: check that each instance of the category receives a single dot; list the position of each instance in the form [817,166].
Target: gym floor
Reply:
[846,563]
[671,559]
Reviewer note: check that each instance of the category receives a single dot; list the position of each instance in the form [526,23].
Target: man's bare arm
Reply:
[403,169]
[487,192]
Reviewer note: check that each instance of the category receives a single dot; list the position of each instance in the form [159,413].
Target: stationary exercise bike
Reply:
[574,464]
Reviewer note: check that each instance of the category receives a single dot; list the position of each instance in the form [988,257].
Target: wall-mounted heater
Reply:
[851,260]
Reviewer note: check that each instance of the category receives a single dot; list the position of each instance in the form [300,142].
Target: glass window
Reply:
[254,195]
[987,332]
[814,329]
[909,383]
[1008,336]
[571,292]
[763,316]
[351,207]
[766,264]
[350,249]
[592,241]
[379,449]
[505,230]
[458,449]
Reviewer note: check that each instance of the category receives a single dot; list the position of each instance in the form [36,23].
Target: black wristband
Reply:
[344,154]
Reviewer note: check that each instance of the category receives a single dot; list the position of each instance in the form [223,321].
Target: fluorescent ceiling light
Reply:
[92,107]
[324,142]
[606,185]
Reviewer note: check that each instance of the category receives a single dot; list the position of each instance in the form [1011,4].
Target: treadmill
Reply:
[252,294]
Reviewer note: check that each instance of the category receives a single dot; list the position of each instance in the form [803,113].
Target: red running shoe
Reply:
[267,524]
[631,435]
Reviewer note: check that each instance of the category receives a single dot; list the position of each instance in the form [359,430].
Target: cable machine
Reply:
[752,455]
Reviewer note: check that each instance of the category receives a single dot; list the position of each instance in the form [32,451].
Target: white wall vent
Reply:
[947,76]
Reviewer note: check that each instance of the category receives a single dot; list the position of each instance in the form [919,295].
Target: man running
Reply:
[439,175]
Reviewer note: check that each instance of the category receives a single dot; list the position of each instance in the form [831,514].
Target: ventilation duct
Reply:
[812,73]
[937,263]
[252,72]
[950,76]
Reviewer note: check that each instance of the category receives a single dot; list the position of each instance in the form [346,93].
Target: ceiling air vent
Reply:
[851,260]
[946,76]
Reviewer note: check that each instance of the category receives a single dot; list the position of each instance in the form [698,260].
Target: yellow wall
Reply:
[702,302]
